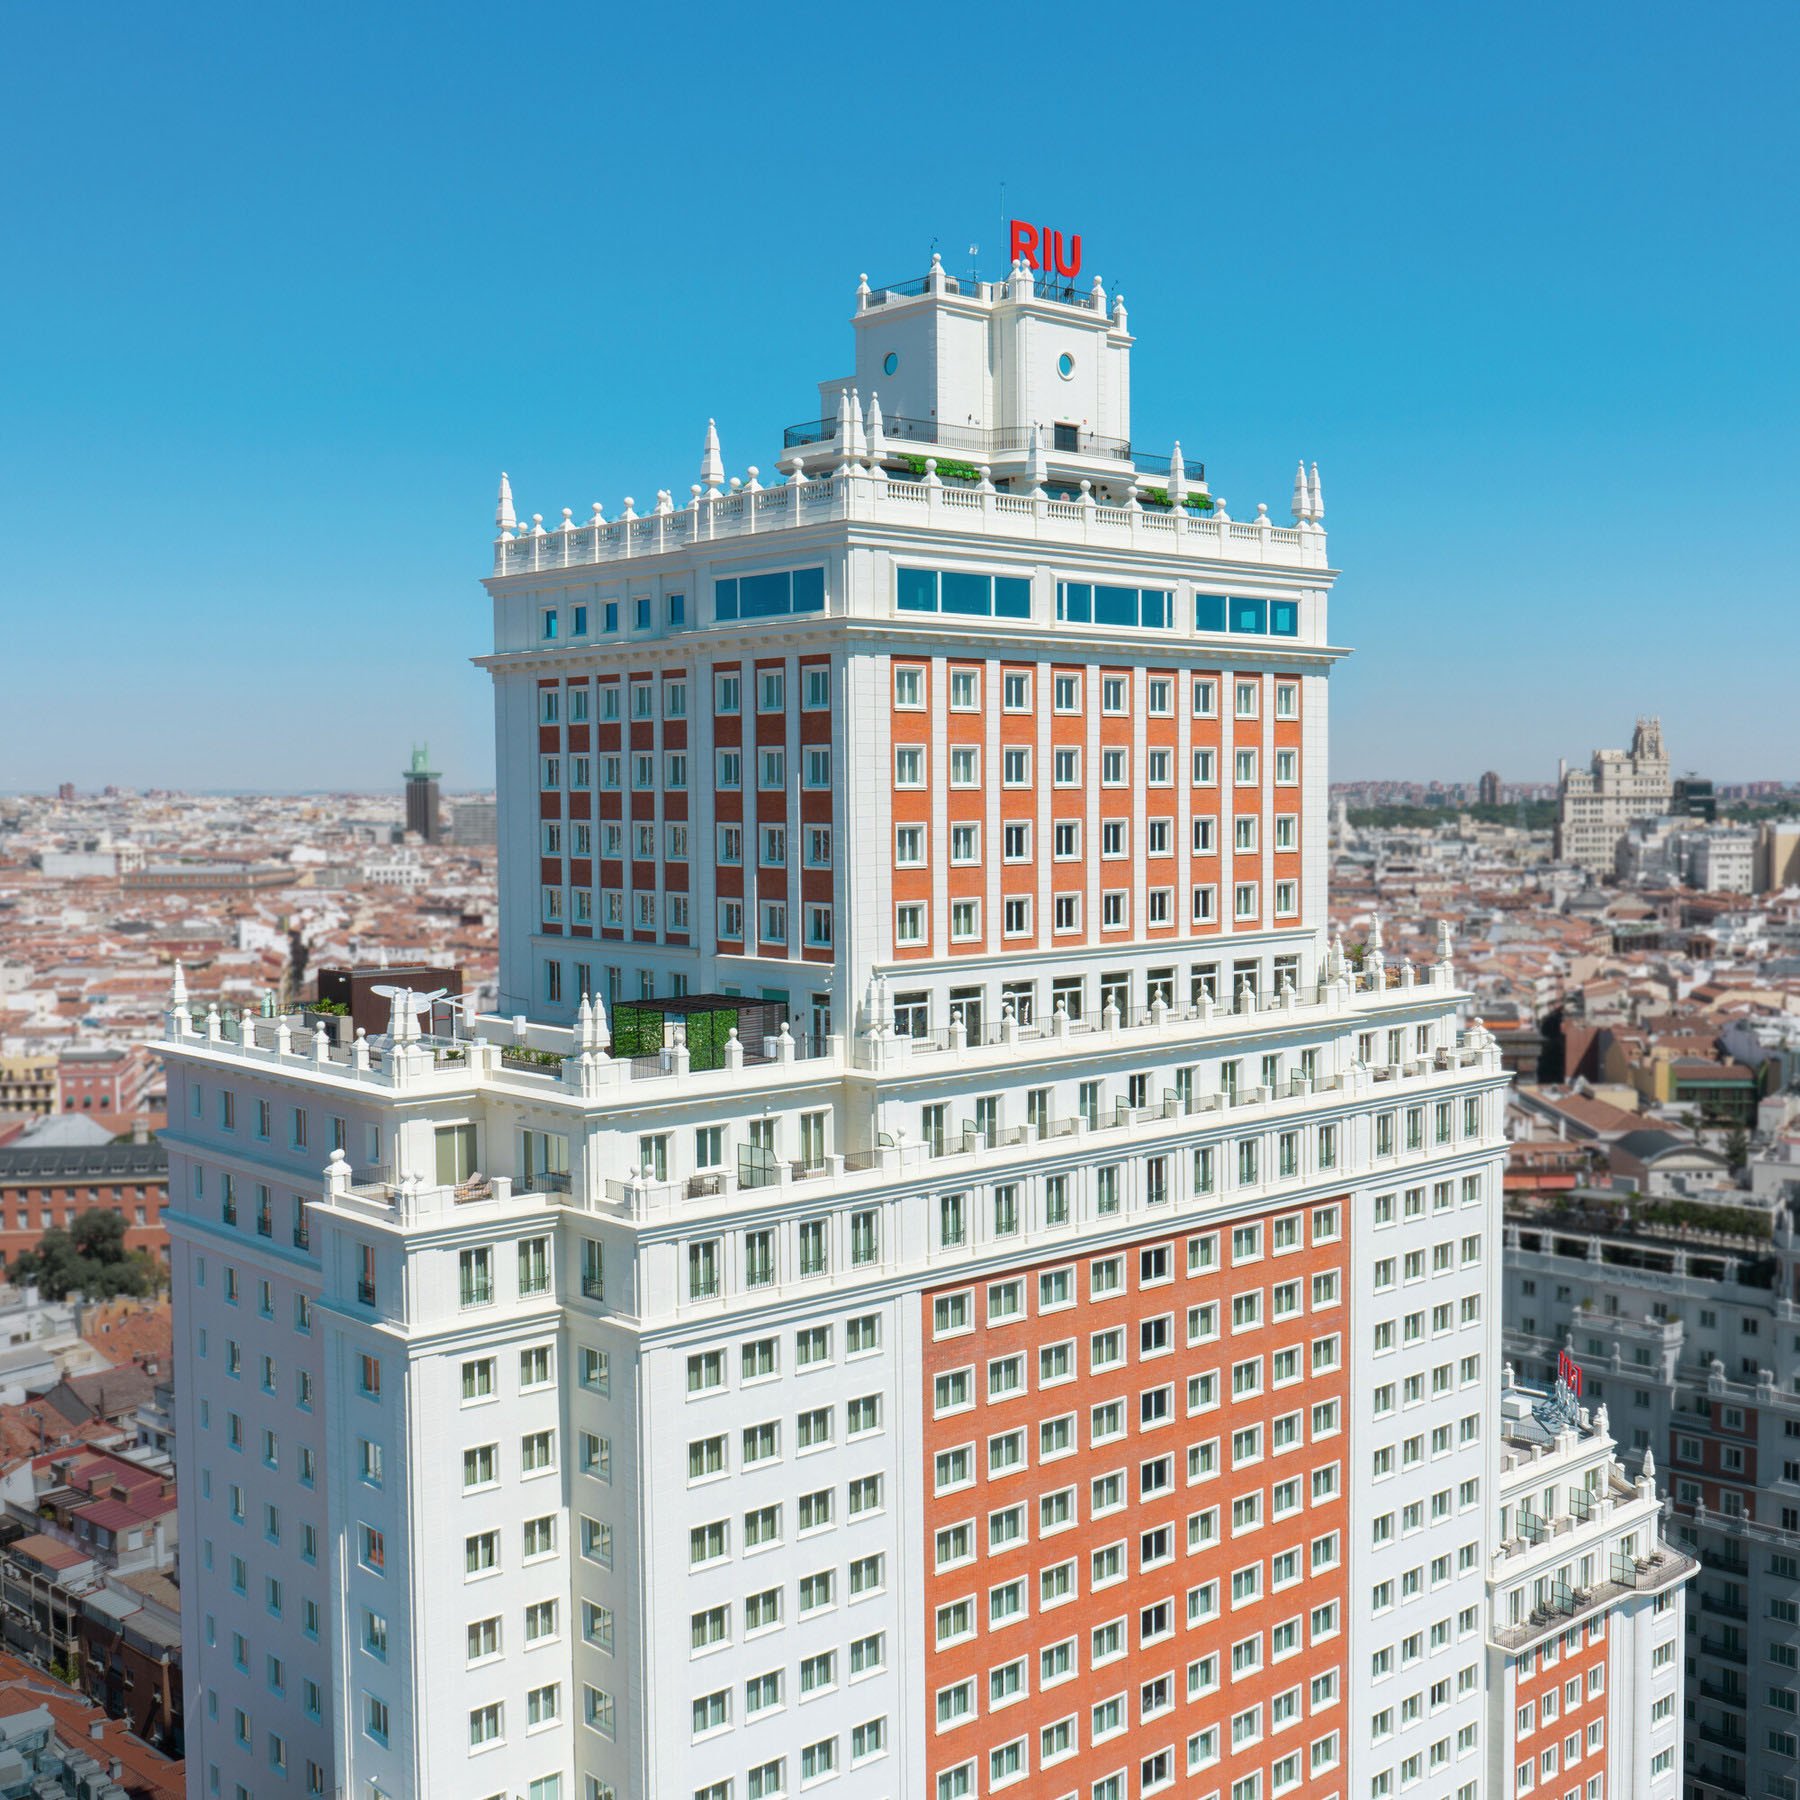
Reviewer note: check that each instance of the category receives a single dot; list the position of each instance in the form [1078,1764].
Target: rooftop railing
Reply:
[852,492]
[1011,440]
[1043,287]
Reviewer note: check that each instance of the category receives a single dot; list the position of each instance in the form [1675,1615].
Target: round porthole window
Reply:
[890,362]
[1065,365]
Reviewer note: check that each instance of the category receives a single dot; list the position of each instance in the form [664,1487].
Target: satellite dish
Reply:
[407,1007]
[415,1002]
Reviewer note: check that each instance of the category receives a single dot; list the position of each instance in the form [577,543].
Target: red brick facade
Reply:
[1185,1554]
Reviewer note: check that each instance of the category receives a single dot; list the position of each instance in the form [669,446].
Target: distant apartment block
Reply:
[1597,805]
[473,822]
[28,1084]
[55,1184]
[111,1085]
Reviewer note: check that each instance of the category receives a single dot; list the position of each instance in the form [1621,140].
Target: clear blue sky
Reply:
[286,288]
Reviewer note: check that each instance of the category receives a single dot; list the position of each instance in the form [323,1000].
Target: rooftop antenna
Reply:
[974,252]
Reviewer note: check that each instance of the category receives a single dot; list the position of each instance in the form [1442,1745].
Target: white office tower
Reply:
[939,1276]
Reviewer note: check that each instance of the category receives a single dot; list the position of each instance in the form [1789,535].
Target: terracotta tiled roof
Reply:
[146,1774]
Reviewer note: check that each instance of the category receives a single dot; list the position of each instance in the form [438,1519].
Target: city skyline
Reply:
[273,395]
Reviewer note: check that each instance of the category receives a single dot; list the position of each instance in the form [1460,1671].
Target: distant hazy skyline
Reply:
[289,289]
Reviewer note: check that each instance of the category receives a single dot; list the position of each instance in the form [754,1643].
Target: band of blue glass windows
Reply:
[1258,618]
[1087,603]
[770,595]
[956,591]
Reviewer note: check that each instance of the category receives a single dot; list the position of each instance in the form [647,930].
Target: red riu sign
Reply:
[1044,249]
[1568,1371]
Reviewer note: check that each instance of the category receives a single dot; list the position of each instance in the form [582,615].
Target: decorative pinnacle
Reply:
[712,464]
[503,510]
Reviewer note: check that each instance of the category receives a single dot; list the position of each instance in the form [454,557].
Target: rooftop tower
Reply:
[422,795]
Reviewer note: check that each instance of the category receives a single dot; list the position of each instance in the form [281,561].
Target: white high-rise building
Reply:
[937,1275]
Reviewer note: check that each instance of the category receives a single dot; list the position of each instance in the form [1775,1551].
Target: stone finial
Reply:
[1649,1463]
[873,427]
[630,508]
[1374,960]
[568,519]
[597,1023]
[862,292]
[712,464]
[752,485]
[1118,312]
[599,517]
[589,1025]
[1037,470]
[537,525]
[1302,495]
[1177,476]
[1097,295]
[1317,497]
[504,519]
[843,422]
[1446,942]
[665,501]
[178,991]
[797,470]
[859,444]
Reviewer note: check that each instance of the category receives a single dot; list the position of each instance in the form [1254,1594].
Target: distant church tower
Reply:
[422,796]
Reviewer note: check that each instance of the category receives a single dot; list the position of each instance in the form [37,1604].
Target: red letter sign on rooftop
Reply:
[1042,248]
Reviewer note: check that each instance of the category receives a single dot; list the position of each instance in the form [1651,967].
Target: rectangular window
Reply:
[770,595]
[955,591]
[1083,603]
